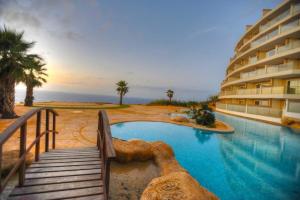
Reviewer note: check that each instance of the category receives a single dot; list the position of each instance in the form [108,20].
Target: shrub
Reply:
[164,102]
[203,115]
[206,118]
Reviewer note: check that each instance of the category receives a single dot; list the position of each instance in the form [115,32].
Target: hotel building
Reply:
[263,77]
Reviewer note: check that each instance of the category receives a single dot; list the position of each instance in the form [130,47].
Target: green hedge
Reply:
[164,102]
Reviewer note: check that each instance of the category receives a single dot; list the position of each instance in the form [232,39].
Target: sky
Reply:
[155,45]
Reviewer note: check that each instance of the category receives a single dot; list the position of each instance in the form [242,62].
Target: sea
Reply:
[46,96]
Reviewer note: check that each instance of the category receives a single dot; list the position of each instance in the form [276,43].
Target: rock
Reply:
[176,186]
[164,157]
[132,150]
[180,119]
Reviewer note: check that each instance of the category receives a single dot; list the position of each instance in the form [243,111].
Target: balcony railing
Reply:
[290,25]
[282,49]
[274,33]
[264,38]
[275,20]
[270,69]
[289,46]
[250,109]
[265,111]
[255,91]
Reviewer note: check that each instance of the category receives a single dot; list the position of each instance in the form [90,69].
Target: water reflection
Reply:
[261,161]
[202,136]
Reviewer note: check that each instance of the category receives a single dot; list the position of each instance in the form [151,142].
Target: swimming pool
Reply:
[259,161]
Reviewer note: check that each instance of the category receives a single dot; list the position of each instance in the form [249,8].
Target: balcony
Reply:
[269,36]
[264,38]
[274,20]
[272,53]
[290,25]
[265,111]
[255,91]
[269,70]
[250,109]
[289,46]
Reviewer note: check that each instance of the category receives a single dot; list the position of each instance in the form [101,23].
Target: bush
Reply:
[206,119]
[203,115]
[164,102]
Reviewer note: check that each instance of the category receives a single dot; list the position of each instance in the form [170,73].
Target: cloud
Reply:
[200,32]
[53,17]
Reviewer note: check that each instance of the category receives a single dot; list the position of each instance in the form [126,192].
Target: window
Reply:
[293,86]
[262,102]
[294,106]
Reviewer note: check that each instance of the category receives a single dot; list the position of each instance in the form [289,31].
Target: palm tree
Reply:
[213,99]
[122,89]
[170,94]
[34,77]
[1,98]
[13,50]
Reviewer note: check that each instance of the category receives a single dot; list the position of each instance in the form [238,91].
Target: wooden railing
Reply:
[21,124]
[106,148]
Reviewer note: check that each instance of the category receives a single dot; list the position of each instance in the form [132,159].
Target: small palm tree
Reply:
[122,89]
[170,94]
[213,99]
[34,77]
[13,52]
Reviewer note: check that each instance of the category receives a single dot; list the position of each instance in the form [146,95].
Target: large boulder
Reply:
[174,183]
[176,186]
[132,150]
[164,157]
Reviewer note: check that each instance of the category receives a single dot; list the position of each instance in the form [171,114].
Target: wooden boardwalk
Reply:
[81,173]
[63,174]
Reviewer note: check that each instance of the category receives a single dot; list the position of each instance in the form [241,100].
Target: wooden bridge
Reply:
[81,173]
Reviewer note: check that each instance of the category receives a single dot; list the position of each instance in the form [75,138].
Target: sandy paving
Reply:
[77,127]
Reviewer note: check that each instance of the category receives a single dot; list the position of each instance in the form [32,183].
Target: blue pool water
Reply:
[259,161]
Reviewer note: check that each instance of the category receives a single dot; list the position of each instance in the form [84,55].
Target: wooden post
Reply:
[1,168]
[23,133]
[107,171]
[53,130]
[38,132]
[47,132]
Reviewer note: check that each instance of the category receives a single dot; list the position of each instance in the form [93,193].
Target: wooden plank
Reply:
[64,168]
[59,158]
[85,149]
[66,179]
[62,173]
[93,197]
[55,187]
[68,160]
[34,165]
[61,194]
[68,154]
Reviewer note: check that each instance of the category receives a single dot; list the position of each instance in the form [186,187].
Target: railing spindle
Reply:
[53,130]
[1,152]
[23,134]
[38,132]
[47,132]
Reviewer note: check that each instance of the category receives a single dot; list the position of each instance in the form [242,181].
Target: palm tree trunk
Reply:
[170,100]
[1,98]
[29,96]
[9,99]
[121,99]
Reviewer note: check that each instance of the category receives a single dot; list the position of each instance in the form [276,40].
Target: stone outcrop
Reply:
[180,119]
[174,183]
[132,150]
[176,186]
